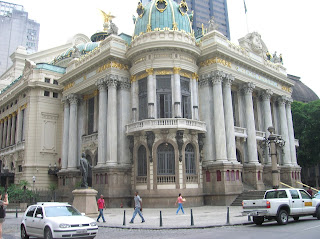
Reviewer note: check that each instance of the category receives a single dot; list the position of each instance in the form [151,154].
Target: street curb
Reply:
[176,228]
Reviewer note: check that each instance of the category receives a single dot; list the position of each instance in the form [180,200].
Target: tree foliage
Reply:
[306,124]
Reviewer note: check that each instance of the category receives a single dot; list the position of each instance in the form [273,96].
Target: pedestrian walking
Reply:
[101,206]
[180,200]
[3,205]
[137,208]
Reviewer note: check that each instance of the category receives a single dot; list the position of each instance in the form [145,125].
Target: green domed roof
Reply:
[162,15]
[84,48]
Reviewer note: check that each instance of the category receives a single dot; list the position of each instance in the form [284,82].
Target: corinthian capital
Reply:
[150,71]
[228,80]
[101,84]
[217,77]
[112,81]
[248,88]
[176,70]
[282,100]
[73,98]
[266,94]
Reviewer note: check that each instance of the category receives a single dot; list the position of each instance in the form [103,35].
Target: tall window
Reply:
[143,99]
[164,98]
[142,161]
[90,115]
[22,124]
[185,97]
[190,160]
[166,161]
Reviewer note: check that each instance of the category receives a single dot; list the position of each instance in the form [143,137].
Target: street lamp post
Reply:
[274,141]
[34,182]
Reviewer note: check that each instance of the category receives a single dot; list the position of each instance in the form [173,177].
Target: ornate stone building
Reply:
[161,112]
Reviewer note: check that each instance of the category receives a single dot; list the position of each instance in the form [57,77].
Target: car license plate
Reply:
[80,231]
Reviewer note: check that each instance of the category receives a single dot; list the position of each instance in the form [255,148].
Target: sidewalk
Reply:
[206,216]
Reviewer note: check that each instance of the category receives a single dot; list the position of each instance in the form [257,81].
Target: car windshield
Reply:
[60,211]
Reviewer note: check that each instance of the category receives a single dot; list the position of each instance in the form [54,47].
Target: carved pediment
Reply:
[28,68]
[252,42]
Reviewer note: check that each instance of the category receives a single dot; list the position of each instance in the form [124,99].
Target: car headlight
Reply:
[63,225]
[93,224]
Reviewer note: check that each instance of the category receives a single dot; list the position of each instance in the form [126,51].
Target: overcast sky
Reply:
[289,27]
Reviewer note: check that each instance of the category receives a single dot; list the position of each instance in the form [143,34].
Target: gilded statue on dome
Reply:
[107,19]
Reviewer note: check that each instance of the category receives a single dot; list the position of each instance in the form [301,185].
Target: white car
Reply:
[56,220]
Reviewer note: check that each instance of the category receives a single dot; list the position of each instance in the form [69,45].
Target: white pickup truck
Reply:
[279,204]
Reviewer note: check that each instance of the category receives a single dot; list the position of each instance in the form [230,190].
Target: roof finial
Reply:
[107,18]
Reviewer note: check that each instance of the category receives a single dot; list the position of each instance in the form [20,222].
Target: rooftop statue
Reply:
[107,19]
[212,25]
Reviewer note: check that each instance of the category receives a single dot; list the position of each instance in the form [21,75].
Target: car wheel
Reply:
[282,217]
[296,218]
[23,231]
[318,213]
[47,233]
[258,220]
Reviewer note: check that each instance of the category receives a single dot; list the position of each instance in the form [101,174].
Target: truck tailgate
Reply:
[254,204]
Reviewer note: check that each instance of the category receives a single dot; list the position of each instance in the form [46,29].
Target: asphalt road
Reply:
[305,228]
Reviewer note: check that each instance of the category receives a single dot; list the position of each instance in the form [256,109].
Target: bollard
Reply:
[160,219]
[16,212]
[124,217]
[192,223]
[228,218]
[249,218]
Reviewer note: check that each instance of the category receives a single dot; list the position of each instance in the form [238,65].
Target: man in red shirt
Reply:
[101,206]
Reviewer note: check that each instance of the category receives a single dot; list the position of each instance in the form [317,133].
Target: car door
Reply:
[29,220]
[308,208]
[296,202]
[38,222]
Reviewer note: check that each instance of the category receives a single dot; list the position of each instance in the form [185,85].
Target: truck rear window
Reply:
[276,194]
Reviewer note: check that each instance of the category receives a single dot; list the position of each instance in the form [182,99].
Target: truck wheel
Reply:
[282,217]
[258,220]
[296,218]
[318,213]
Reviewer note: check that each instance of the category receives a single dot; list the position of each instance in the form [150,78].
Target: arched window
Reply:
[190,161]
[166,161]
[142,161]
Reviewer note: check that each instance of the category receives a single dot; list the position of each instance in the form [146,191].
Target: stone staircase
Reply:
[248,195]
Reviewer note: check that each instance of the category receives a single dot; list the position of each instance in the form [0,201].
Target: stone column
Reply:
[1,132]
[134,99]
[151,93]
[73,134]
[112,135]
[205,113]
[177,92]
[65,140]
[251,131]
[13,128]
[267,116]
[9,130]
[123,120]
[284,130]
[291,133]
[228,116]
[4,135]
[195,101]
[96,111]
[102,133]
[218,117]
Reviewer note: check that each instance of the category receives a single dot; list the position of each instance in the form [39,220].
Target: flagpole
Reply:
[245,11]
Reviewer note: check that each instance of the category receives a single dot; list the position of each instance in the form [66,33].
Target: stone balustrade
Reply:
[170,123]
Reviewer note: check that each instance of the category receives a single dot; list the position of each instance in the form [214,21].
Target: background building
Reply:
[16,29]
[158,112]
[204,10]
